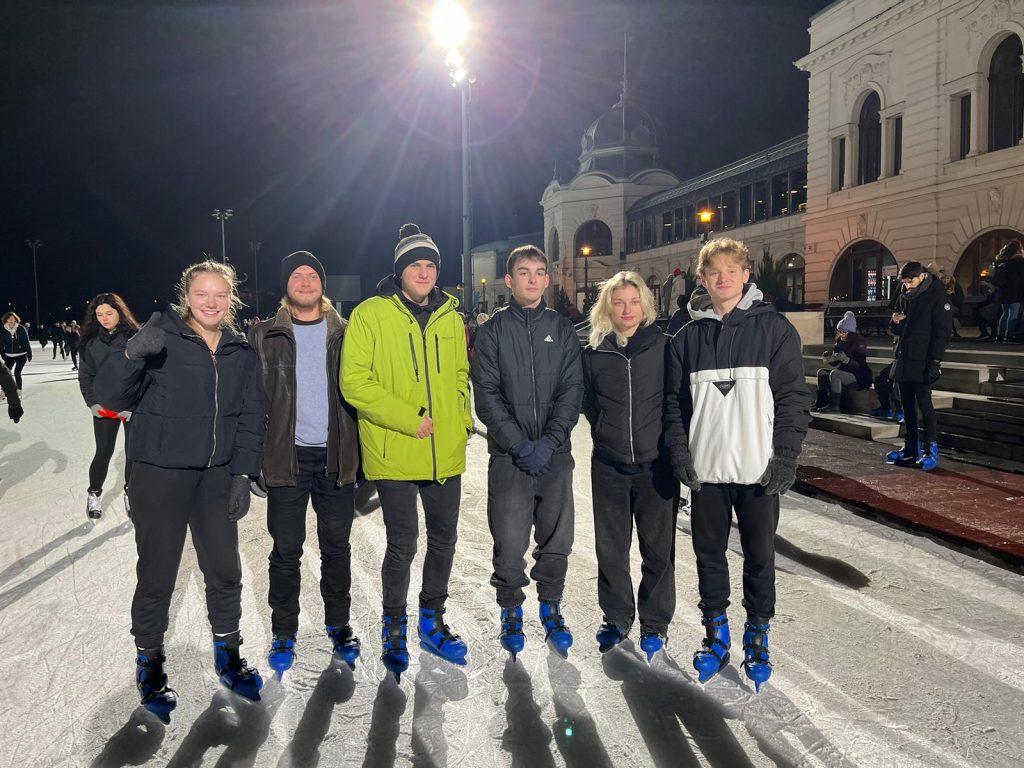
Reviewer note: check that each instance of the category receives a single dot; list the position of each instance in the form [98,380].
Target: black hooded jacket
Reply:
[94,353]
[191,409]
[922,337]
[623,396]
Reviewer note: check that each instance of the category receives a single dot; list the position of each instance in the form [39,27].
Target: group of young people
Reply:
[308,403]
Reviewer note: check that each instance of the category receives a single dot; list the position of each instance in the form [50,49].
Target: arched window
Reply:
[793,277]
[1005,95]
[553,249]
[597,235]
[866,271]
[976,260]
[869,141]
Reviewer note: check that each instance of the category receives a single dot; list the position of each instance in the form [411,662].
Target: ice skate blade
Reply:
[563,652]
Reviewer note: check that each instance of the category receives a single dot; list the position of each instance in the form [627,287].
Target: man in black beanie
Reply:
[312,450]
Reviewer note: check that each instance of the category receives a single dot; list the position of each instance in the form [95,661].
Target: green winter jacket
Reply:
[394,374]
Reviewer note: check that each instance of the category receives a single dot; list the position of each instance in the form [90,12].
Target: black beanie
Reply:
[293,261]
[414,246]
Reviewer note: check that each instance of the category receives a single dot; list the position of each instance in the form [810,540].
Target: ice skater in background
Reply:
[10,390]
[15,347]
[193,385]
[529,390]
[312,450]
[630,472]
[107,326]
[736,415]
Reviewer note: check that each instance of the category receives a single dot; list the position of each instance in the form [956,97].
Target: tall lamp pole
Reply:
[450,26]
[35,245]
[223,216]
[585,251]
[255,248]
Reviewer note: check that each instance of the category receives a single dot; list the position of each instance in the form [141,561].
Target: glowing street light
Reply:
[705,219]
[449,24]
[585,251]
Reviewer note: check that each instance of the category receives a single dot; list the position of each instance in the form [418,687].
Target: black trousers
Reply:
[58,345]
[441,515]
[286,518]
[105,433]
[919,394]
[757,517]
[517,503]
[650,498]
[15,363]
[888,390]
[165,504]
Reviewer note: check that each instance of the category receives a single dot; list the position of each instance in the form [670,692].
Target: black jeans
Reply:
[757,517]
[441,514]
[916,392]
[888,390]
[105,432]
[650,497]
[165,504]
[286,518]
[517,502]
[15,363]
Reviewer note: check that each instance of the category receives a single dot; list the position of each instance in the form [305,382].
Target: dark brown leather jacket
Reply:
[274,342]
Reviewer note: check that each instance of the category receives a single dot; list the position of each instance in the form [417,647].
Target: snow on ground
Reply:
[889,650]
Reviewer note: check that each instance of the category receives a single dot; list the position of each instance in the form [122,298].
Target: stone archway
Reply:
[973,266]
[864,271]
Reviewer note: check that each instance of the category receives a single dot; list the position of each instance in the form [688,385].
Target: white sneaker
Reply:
[93,510]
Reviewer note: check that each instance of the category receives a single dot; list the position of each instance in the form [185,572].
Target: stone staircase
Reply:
[979,400]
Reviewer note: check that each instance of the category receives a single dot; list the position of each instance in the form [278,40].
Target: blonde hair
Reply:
[325,305]
[734,248]
[601,313]
[211,267]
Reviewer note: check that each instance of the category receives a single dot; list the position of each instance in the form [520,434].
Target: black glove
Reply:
[536,462]
[238,499]
[258,486]
[779,475]
[15,412]
[933,373]
[149,340]
[682,468]
[521,450]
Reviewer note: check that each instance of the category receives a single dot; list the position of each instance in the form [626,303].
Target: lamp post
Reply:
[705,219]
[255,248]
[35,245]
[585,252]
[223,216]
[450,26]
[483,294]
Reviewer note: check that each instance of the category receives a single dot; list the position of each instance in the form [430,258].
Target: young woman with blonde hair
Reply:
[192,383]
[630,472]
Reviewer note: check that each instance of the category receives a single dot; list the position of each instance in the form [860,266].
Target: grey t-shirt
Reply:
[311,405]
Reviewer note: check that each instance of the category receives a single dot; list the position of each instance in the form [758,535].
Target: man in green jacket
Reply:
[406,372]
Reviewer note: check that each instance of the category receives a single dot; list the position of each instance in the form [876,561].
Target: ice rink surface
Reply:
[889,649]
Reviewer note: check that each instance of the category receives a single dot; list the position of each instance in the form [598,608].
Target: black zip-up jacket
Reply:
[16,344]
[924,334]
[94,353]
[624,396]
[527,377]
[190,409]
[274,342]
[734,389]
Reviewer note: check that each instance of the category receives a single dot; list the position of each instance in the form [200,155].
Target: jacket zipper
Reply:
[629,386]
[415,365]
[216,407]
[533,375]
[430,403]
[437,351]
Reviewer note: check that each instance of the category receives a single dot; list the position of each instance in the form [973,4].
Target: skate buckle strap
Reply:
[554,620]
[755,649]
[441,634]
[512,624]
[396,637]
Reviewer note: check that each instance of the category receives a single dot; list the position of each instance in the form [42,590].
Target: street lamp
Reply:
[223,216]
[585,251]
[449,24]
[705,219]
[35,245]
[483,294]
[255,248]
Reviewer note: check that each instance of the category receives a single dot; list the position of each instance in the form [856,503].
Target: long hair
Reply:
[212,267]
[91,326]
[601,312]
[325,305]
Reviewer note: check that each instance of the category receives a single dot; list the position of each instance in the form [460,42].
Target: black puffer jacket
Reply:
[274,342]
[16,343]
[191,409]
[924,333]
[94,353]
[623,396]
[527,377]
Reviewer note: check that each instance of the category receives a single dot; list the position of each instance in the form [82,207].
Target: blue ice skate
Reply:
[151,681]
[234,672]
[756,662]
[393,635]
[929,460]
[713,655]
[282,654]
[652,643]
[436,638]
[512,638]
[556,634]
[609,635]
[345,645]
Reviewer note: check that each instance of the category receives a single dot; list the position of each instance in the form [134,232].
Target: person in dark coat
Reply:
[1008,279]
[847,365]
[630,473]
[10,390]
[193,385]
[15,347]
[923,328]
[107,326]
[681,316]
[72,340]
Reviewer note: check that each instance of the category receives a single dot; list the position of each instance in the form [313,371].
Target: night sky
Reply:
[325,126]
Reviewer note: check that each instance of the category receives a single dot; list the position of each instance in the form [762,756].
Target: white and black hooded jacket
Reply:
[734,389]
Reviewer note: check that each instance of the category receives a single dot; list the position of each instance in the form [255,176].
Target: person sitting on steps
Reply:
[847,366]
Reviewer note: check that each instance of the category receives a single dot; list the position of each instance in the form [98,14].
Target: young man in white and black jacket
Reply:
[312,450]
[736,414]
[529,390]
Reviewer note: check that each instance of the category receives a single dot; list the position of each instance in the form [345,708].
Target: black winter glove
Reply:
[15,412]
[537,461]
[933,373]
[238,499]
[149,340]
[779,475]
[258,487]
[682,468]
